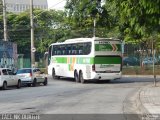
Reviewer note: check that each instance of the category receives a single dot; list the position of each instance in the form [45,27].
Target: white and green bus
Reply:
[86,59]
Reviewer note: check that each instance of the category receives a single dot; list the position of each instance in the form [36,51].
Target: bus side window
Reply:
[54,51]
[63,49]
[69,49]
[58,50]
[73,49]
[80,49]
[87,48]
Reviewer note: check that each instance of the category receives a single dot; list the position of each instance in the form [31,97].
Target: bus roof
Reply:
[85,40]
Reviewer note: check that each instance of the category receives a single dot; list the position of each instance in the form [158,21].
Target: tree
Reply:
[81,15]
[139,20]
[49,28]
[1,7]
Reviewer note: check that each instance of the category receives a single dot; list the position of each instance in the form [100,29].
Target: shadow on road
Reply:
[123,80]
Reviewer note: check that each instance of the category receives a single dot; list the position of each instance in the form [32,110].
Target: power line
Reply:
[51,7]
[57,4]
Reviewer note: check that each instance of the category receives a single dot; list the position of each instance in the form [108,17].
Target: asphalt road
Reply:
[65,96]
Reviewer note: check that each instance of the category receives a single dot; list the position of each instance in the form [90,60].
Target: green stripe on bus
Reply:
[69,60]
[87,60]
[59,59]
[107,60]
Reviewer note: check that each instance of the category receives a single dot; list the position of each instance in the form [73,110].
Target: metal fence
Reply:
[138,61]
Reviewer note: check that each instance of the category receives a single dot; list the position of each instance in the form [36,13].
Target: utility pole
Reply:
[32,35]
[94,29]
[153,57]
[5,21]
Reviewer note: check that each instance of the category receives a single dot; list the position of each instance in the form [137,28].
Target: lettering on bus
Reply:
[104,42]
[105,65]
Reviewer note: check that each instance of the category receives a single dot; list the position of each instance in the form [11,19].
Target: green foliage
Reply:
[141,17]
[48,28]
[1,7]
[135,21]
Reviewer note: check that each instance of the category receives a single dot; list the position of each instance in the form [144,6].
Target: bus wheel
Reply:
[81,79]
[76,76]
[53,74]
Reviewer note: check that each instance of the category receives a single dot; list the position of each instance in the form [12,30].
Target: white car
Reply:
[8,78]
[32,76]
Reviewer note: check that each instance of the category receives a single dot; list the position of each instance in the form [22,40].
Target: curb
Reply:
[144,112]
[141,76]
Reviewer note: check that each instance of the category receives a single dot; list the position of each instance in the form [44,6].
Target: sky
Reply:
[56,4]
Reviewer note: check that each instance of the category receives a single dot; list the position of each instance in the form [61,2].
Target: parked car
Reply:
[149,61]
[130,61]
[32,76]
[8,78]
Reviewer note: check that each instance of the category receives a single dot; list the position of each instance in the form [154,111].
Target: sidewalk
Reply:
[149,102]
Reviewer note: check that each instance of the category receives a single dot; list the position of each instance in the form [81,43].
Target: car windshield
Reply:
[24,71]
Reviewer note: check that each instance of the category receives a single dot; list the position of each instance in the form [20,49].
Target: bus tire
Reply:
[81,79]
[76,76]
[53,73]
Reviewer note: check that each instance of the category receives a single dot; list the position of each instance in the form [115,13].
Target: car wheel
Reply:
[4,87]
[45,82]
[34,83]
[81,79]
[19,84]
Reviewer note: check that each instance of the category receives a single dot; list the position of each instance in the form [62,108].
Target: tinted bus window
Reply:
[72,49]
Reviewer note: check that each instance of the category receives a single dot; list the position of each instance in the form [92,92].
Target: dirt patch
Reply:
[137,70]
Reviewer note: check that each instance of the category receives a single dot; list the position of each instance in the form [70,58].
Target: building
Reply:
[17,6]
[8,54]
